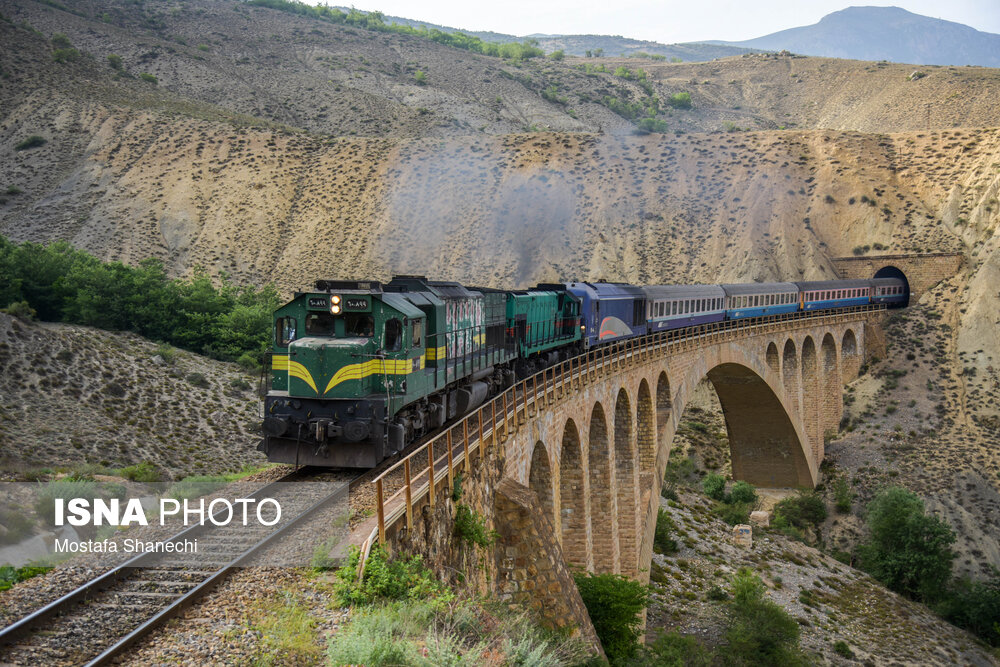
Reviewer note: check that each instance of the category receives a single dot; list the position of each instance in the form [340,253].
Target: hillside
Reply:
[71,395]
[885,33]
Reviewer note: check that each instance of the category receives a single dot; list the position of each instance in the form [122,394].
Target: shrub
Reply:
[198,380]
[908,550]
[13,190]
[398,579]
[558,55]
[420,78]
[714,486]
[141,472]
[802,511]
[672,648]
[17,523]
[743,492]
[471,527]
[249,361]
[614,604]
[115,62]
[649,125]
[195,486]
[975,606]
[678,470]
[149,78]
[34,141]
[20,310]
[759,632]
[166,352]
[733,513]
[680,100]
[663,543]
[840,647]
[14,575]
[843,495]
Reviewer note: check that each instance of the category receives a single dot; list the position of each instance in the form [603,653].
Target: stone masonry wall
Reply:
[922,271]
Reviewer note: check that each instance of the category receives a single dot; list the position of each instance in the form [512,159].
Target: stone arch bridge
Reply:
[567,465]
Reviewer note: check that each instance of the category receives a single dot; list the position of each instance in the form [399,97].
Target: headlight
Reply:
[335,299]
[334,309]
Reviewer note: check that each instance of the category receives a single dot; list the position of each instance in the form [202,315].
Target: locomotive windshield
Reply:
[355,325]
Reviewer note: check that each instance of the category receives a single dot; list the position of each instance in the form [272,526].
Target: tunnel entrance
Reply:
[893,272]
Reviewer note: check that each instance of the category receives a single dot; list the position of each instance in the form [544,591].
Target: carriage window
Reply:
[319,324]
[393,335]
[284,331]
[418,332]
[359,325]
[687,307]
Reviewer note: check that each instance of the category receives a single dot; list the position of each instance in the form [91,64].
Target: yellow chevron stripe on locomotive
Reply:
[371,367]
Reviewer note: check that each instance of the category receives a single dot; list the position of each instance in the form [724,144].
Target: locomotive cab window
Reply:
[393,335]
[418,333]
[359,325]
[284,331]
[320,324]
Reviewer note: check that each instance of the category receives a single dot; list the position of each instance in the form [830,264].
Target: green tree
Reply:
[558,55]
[907,550]
[614,604]
[975,606]
[663,541]
[743,492]
[759,632]
[680,100]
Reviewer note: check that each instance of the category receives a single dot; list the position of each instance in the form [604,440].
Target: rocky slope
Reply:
[71,395]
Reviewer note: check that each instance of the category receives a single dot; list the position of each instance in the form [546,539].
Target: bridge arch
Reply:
[773,362]
[833,398]
[790,375]
[572,530]
[893,272]
[811,398]
[766,449]
[849,358]
[646,427]
[540,481]
[626,483]
[602,498]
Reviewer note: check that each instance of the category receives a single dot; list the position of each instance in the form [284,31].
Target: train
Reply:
[361,369]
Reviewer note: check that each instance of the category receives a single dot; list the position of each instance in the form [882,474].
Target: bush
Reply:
[908,550]
[149,78]
[558,55]
[420,78]
[840,647]
[678,470]
[802,511]
[14,575]
[733,513]
[20,310]
[843,496]
[663,543]
[195,486]
[141,472]
[166,352]
[470,527]
[714,486]
[198,380]
[649,125]
[17,523]
[680,100]
[759,632]
[34,141]
[743,492]
[116,62]
[398,579]
[672,649]
[975,606]
[614,604]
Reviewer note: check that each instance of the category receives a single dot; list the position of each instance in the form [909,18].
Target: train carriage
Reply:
[609,311]
[825,294]
[760,299]
[676,306]
[890,292]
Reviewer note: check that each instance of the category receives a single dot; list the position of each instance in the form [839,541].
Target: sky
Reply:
[665,21]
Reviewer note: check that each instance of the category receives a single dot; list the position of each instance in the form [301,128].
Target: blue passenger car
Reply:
[609,311]
[760,299]
[889,291]
[676,306]
[824,294]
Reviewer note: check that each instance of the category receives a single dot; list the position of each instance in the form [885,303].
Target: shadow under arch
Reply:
[765,448]
[893,272]
[540,481]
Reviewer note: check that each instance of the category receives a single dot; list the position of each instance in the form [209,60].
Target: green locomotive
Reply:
[361,369]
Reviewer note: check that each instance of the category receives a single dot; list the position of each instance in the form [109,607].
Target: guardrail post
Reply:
[409,496]
[465,443]
[451,464]
[380,510]
[506,423]
[430,474]
[524,398]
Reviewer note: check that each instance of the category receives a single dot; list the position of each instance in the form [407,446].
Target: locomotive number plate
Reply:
[318,302]
[355,304]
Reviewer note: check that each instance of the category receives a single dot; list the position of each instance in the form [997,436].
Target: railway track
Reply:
[101,619]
